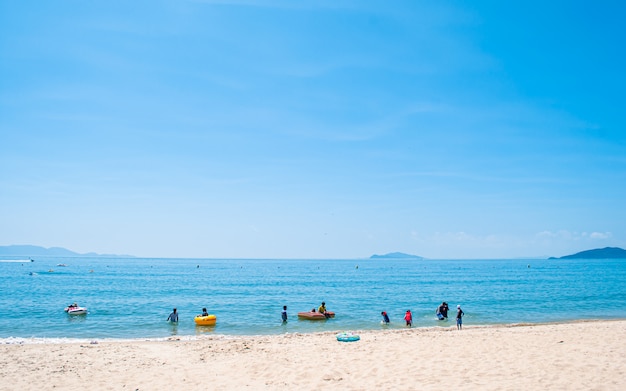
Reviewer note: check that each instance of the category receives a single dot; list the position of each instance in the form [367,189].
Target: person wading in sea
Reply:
[459,317]
[173,316]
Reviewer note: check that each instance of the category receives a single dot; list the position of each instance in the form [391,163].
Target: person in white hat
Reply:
[459,317]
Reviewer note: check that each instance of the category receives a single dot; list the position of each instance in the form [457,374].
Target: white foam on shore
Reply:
[42,341]
[451,328]
[34,341]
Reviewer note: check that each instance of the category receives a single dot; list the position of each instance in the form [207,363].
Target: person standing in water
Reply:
[459,317]
[408,317]
[283,314]
[442,311]
[385,317]
[173,316]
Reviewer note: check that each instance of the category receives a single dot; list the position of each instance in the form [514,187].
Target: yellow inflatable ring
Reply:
[208,320]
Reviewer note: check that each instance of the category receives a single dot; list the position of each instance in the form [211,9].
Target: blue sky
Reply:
[313,129]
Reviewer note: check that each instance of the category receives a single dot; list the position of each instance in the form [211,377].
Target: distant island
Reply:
[598,253]
[395,256]
[37,251]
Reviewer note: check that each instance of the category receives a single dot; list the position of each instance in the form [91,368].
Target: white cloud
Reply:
[561,234]
[565,235]
[600,235]
[545,234]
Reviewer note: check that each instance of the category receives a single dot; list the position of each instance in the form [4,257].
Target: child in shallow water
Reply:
[459,317]
[408,317]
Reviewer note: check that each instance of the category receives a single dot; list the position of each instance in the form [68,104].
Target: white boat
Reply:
[75,310]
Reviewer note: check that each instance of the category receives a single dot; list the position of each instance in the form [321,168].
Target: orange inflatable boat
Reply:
[310,315]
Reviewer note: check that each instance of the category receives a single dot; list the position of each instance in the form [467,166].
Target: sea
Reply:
[131,298]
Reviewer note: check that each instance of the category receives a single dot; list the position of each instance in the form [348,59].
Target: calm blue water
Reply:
[131,298]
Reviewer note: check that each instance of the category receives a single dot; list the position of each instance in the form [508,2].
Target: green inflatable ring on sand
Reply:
[347,337]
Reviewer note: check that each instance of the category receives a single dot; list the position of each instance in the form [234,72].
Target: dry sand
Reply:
[570,356]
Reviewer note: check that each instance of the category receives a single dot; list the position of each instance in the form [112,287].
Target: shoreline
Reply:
[199,337]
[579,355]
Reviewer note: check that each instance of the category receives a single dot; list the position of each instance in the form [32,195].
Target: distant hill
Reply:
[598,253]
[395,256]
[37,251]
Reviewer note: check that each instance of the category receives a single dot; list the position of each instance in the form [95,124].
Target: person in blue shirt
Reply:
[173,317]
[283,314]
[385,317]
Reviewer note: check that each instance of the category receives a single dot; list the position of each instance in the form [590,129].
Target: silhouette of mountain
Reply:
[598,253]
[37,251]
[395,255]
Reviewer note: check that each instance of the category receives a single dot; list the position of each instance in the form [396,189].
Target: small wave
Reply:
[60,341]
[42,341]
[35,341]
[15,261]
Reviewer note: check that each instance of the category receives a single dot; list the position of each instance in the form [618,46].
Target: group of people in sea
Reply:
[173,317]
[441,312]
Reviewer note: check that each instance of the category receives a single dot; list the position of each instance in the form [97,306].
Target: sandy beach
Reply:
[570,356]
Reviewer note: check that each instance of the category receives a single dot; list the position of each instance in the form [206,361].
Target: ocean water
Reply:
[130,298]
